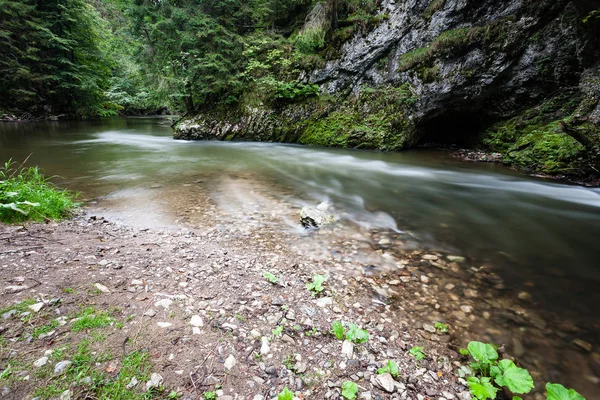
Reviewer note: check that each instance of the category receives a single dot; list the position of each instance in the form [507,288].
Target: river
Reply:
[541,237]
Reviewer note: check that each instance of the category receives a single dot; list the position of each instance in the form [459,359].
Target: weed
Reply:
[356,334]
[417,353]
[441,327]
[316,286]
[271,278]
[349,390]
[391,367]
[464,352]
[69,290]
[277,332]
[285,394]
[290,362]
[211,395]
[338,330]
[353,333]
[27,195]
[240,317]
[89,318]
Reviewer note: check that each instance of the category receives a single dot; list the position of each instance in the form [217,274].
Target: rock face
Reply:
[442,70]
[313,217]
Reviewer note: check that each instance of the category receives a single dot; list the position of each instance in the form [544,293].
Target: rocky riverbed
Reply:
[194,300]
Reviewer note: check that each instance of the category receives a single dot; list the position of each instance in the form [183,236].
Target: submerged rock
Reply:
[311,217]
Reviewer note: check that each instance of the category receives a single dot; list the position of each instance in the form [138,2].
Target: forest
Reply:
[108,57]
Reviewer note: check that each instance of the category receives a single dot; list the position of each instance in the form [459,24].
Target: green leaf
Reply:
[463,352]
[278,331]
[271,278]
[349,390]
[316,286]
[338,330]
[356,334]
[557,391]
[482,388]
[482,352]
[391,367]
[285,394]
[516,379]
[417,352]
[441,327]
[516,398]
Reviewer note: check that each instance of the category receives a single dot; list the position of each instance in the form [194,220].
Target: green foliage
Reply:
[25,194]
[464,352]
[285,394]
[482,388]
[535,140]
[391,367]
[210,395]
[417,353]
[271,278]
[277,332]
[356,334]
[490,370]
[559,392]
[338,330]
[349,390]
[90,318]
[316,286]
[441,327]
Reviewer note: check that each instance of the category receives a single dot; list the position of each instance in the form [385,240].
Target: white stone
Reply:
[40,362]
[230,362]
[165,303]
[61,367]
[384,381]
[66,395]
[196,320]
[196,330]
[36,307]
[164,324]
[324,301]
[102,288]
[264,348]
[347,349]
[132,383]
[155,381]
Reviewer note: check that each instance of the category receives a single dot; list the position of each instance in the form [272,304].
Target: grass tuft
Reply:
[25,194]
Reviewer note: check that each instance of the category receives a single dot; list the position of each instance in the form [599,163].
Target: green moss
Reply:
[432,8]
[535,140]
[375,119]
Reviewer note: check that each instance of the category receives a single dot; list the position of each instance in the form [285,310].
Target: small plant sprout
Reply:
[417,353]
[316,286]
[271,278]
[349,390]
[277,332]
[212,395]
[338,330]
[391,367]
[285,394]
[443,328]
[356,334]
[464,352]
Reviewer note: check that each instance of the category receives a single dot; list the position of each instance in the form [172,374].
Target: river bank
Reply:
[197,303]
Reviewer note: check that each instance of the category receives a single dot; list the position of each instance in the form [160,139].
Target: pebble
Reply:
[196,321]
[264,348]
[40,362]
[324,302]
[347,349]
[132,383]
[61,367]
[155,381]
[384,381]
[164,324]
[36,307]
[150,313]
[466,309]
[164,303]
[230,362]
[102,288]
[66,395]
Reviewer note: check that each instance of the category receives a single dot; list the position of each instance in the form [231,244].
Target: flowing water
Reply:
[539,236]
